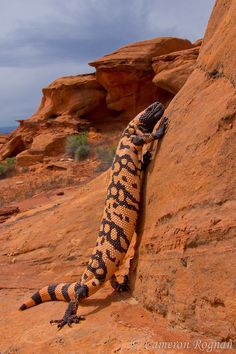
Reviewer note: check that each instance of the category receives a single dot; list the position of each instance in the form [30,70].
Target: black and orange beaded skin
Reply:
[120,212]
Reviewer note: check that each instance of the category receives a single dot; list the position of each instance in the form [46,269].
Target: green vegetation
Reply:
[10,161]
[82,152]
[7,167]
[77,146]
[106,156]
[2,171]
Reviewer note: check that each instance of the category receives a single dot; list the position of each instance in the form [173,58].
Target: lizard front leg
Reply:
[141,139]
[160,132]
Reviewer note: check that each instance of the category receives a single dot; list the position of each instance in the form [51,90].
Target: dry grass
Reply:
[23,191]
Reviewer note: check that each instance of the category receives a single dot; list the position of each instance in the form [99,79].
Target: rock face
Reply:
[172,70]
[217,54]
[127,74]
[185,270]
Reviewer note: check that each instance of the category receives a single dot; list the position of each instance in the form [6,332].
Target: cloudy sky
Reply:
[41,40]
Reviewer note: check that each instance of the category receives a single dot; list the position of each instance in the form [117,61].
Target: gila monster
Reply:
[118,221]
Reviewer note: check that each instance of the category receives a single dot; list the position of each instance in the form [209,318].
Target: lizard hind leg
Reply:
[85,289]
[70,315]
[120,286]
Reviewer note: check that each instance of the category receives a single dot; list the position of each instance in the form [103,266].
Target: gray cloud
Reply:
[40,41]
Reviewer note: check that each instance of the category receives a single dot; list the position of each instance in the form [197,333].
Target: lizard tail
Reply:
[54,292]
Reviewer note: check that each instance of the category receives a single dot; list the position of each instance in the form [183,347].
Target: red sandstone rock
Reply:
[197,43]
[3,138]
[28,158]
[13,147]
[47,144]
[64,102]
[217,56]
[172,70]
[127,74]
[139,55]
[7,212]
[186,259]
[73,95]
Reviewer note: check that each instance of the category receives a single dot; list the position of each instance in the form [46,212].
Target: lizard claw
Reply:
[69,316]
[120,287]
[161,129]
[146,159]
[67,320]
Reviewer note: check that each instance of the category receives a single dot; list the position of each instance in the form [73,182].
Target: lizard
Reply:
[119,218]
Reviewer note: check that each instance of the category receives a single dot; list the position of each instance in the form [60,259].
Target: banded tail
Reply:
[53,292]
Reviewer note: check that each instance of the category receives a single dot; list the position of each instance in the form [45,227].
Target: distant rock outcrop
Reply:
[67,99]
[64,104]
[3,139]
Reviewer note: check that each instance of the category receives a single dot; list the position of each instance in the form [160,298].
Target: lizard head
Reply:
[150,116]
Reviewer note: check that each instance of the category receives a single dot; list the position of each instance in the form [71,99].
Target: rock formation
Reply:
[121,87]
[64,104]
[185,269]
[172,70]
[3,139]
[72,96]
[127,74]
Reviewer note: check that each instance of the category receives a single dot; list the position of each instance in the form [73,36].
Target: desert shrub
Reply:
[73,142]
[7,169]
[3,171]
[10,161]
[106,156]
[82,152]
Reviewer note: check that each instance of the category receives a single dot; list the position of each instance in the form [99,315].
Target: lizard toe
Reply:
[67,320]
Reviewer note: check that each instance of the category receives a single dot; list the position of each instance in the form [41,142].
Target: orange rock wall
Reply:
[185,267]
